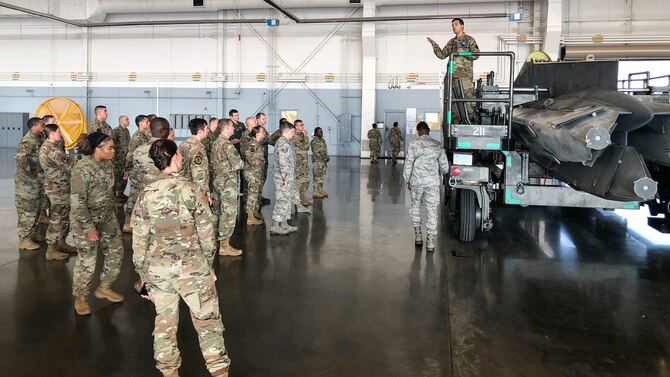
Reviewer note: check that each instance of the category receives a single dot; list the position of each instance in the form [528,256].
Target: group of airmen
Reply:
[183,200]
[375,142]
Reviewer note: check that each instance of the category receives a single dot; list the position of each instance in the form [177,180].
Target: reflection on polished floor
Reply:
[549,292]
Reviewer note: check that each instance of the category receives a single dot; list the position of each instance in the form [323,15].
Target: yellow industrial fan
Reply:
[538,56]
[69,117]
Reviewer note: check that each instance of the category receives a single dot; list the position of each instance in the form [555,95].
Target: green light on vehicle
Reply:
[631,205]
[509,160]
[464,144]
[492,146]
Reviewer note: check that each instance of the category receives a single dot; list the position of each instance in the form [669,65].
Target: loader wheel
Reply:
[467,216]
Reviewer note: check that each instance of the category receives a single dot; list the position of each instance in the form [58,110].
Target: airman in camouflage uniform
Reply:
[395,138]
[375,138]
[100,122]
[283,176]
[320,160]
[57,170]
[275,136]
[121,137]
[425,164]
[261,120]
[225,164]
[28,184]
[195,164]
[211,137]
[462,64]
[301,142]
[250,123]
[175,214]
[139,138]
[93,221]
[253,174]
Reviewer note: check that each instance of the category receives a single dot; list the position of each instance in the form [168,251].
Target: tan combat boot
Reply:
[252,220]
[220,373]
[304,200]
[174,373]
[317,193]
[289,228]
[276,228]
[228,251]
[303,209]
[126,226]
[325,194]
[61,245]
[105,291]
[259,216]
[28,244]
[81,306]
[53,254]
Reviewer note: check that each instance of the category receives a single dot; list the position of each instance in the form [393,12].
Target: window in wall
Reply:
[290,115]
[433,120]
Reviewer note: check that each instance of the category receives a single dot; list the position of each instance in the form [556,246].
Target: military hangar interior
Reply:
[552,231]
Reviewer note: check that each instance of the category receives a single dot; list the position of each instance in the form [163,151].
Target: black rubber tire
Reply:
[467,215]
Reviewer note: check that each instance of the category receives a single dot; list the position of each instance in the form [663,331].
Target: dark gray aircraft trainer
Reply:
[572,140]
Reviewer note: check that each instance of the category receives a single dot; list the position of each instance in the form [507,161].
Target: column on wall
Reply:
[369,75]
[552,34]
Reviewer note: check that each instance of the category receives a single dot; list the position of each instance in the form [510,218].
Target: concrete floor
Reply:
[549,292]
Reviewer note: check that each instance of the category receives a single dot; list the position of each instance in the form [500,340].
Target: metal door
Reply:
[389,118]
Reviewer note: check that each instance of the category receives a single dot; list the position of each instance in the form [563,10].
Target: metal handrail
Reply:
[450,77]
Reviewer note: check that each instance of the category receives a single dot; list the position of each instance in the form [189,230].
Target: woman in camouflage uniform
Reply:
[57,171]
[254,155]
[173,251]
[320,160]
[93,220]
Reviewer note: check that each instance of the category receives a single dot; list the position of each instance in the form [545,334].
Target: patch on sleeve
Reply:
[197,160]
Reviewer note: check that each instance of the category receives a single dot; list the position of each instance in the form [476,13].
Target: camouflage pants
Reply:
[301,173]
[319,170]
[199,293]
[431,196]
[28,198]
[119,182]
[374,151]
[111,244]
[254,186]
[468,89]
[135,188]
[285,198]
[225,207]
[45,203]
[395,150]
[59,223]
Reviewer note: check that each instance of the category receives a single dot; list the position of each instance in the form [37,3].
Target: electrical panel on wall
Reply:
[180,121]
[12,128]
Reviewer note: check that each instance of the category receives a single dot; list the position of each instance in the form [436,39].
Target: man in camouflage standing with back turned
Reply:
[28,184]
[425,164]
[462,64]
[121,137]
[395,137]
[301,142]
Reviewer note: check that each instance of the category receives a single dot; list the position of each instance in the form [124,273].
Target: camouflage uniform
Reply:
[284,172]
[244,142]
[301,142]
[319,161]
[253,174]
[462,64]
[57,170]
[195,164]
[375,138]
[224,164]
[121,137]
[425,164]
[395,138]
[93,207]
[28,185]
[138,139]
[274,137]
[140,164]
[207,143]
[173,251]
[99,125]
[265,143]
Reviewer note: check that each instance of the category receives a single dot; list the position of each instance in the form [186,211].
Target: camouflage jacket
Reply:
[27,158]
[121,137]
[57,168]
[92,193]
[254,156]
[395,136]
[425,162]
[301,142]
[319,149]
[244,143]
[284,168]
[172,229]
[375,137]
[136,140]
[208,142]
[195,164]
[143,166]
[274,137]
[462,64]
[225,161]
[99,125]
